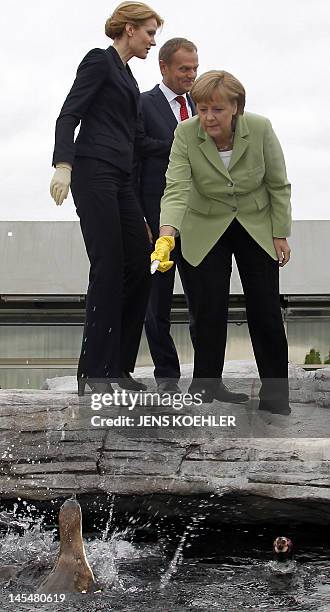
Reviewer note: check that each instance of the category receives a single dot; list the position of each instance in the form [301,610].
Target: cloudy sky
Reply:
[278,49]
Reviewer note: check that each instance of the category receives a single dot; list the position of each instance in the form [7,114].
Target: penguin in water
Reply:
[72,572]
[282,549]
[283,562]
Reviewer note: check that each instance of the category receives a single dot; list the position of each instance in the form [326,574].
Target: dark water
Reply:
[177,569]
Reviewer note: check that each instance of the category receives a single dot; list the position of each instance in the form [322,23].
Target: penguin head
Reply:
[282,548]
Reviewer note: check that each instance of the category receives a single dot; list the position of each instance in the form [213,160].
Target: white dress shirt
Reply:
[174,104]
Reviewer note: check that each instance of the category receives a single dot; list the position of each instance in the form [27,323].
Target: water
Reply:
[174,569]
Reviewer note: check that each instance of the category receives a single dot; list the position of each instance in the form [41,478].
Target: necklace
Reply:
[228,146]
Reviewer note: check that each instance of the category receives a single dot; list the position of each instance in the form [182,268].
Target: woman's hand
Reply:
[59,186]
[164,245]
[282,250]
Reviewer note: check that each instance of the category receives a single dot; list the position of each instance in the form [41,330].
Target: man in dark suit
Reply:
[163,107]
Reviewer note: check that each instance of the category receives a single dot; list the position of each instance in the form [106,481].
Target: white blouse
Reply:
[226,157]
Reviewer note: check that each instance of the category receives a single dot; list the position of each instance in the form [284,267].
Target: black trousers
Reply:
[119,281]
[209,285]
[158,319]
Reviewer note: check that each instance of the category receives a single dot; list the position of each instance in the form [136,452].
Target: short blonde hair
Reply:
[222,82]
[135,13]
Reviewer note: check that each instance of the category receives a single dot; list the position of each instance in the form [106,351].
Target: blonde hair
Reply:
[135,13]
[222,82]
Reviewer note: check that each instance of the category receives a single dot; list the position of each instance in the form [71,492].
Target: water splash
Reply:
[39,548]
[34,545]
[178,555]
[104,557]
[282,568]
[109,521]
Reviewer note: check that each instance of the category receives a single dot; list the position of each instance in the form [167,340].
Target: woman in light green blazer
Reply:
[227,194]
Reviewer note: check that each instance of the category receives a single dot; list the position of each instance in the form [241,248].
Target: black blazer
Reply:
[105,98]
[159,122]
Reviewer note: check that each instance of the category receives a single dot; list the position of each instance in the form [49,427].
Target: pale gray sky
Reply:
[279,50]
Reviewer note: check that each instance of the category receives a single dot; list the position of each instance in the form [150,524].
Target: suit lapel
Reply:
[131,80]
[210,151]
[240,145]
[125,73]
[240,141]
[191,104]
[164,108]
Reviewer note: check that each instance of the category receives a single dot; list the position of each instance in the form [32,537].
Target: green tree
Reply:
[313,357]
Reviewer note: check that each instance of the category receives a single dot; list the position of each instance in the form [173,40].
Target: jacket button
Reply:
[230,184]
[234,208]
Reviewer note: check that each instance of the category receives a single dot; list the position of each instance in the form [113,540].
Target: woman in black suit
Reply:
[104,99]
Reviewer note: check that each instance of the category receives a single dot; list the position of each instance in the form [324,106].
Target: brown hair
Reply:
[225,83]
[171,46]
[135,13]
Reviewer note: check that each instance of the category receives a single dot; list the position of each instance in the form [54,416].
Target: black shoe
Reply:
[275,407]
[94,385]
[127,382]
[224,395]
[218,392]
[168,386]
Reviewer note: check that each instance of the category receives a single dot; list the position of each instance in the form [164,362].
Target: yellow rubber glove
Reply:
[163,247]
[59,186]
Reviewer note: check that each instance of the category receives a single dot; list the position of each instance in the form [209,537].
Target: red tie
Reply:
[183,107]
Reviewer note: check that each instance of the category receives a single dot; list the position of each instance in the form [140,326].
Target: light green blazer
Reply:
[202,197]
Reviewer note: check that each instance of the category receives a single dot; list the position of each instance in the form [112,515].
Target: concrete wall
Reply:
[49,258]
